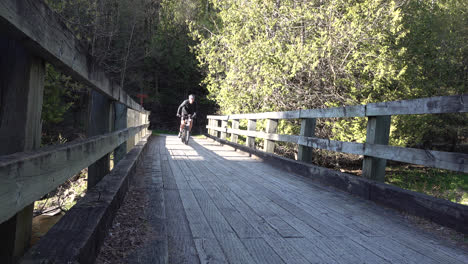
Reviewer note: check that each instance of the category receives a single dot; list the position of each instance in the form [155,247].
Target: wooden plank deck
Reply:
[221,206]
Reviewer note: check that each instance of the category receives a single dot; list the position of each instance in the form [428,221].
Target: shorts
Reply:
[184,117]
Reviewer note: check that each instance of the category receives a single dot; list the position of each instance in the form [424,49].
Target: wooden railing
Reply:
[375,150]
[33,34]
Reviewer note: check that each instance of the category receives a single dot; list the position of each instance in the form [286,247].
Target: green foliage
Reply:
[283,55]
[439,183]
[58,95]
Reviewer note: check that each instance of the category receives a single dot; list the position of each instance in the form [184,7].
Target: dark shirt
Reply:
[186,108]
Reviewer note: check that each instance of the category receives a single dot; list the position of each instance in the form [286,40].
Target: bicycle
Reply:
[186,131]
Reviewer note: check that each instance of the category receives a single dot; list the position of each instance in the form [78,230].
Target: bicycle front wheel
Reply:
[187,136]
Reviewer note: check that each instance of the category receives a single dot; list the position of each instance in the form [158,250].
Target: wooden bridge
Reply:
[212,201]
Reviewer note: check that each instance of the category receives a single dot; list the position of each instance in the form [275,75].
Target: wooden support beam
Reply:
[304,153]
[131,121]
[120,122]
[21,93]
[269,145]
[212,131]
[98,124]
[235,125]
[430,158]
[378,131]
[27,176]
[251,126]
[223,126]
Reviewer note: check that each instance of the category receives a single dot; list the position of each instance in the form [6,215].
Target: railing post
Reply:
[235,125]
[213,124]
[269,145]
[378,132]
[21,89]
[98,123]
[131,122]
[223,126]
[304,153]
[251,126]
[212,131]
[120,122]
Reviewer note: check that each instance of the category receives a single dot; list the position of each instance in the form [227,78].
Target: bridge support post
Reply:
[378,132]
[213,124]
[251,126]
[218,125]
[21,94]
[269,145]
[304,153]
[223,126]
[120,122]
[131,122]
[235,125]
[99,122]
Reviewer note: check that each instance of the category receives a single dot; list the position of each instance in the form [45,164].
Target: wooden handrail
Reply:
[27,176]
[375,151]
[431,105]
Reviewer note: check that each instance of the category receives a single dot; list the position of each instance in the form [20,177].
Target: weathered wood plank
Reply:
[230,213]
[228,240]
[362,253]
[209,251]
[378,132]
[277,243]
[27,176]
[21,95]
[77,237]
[381,219]
[251,127]
[269,145]
[440,211]
[180,240]
[148,180]
[431,158]
[304,153]
[42,32]
[98,124]
[223,125]
[120,122]
[261,251]
[235,125]
[431,105]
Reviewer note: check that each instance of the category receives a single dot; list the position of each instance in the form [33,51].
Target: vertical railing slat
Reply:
[378,132]
[307,130]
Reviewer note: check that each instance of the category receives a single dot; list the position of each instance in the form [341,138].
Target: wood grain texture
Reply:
[431,105]
[78,236]
[27,176]
[438,210]
[431,158]
[21,96]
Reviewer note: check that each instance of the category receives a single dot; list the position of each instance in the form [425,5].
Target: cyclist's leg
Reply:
[191,124]
[182,123]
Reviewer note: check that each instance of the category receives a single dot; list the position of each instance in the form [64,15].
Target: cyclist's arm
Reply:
[194,110]
[180,107]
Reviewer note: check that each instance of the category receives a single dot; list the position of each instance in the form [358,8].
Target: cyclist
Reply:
[186,109]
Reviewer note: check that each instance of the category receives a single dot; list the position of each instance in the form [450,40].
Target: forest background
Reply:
[241,56]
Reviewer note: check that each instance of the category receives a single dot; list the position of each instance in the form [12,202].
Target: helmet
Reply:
[191,96]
